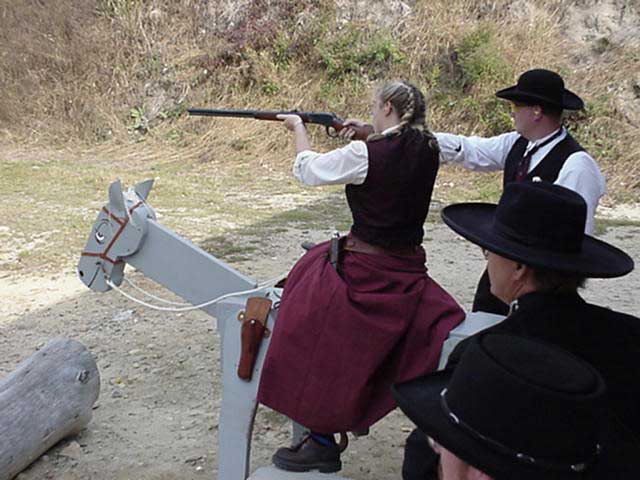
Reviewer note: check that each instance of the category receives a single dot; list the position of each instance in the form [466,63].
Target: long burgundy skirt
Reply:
[340,342]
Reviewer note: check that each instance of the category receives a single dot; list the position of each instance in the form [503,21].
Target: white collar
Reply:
[390,130]
[531,144]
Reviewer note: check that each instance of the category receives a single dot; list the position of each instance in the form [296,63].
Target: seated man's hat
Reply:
[539,224]
[541,86]
[514,407]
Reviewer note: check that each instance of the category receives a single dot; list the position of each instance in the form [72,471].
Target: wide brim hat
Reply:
[542,86]
[541,225]
[514,407]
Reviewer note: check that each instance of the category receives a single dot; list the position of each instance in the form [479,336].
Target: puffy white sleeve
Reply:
[581,174]
[346,165]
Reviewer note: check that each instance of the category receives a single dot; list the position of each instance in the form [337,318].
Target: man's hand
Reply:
[290,121]
[355,130]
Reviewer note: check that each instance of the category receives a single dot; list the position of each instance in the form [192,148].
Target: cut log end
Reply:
[49,397]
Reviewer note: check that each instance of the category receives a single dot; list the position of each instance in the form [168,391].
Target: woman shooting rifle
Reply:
[364,314]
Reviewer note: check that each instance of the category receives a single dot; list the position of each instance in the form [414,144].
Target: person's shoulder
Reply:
[357,145]
[620,322]
[506,326]
[508,140]
[609,312]
[510,136]
[582,161]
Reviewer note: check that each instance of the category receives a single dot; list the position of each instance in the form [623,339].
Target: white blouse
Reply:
[342,166]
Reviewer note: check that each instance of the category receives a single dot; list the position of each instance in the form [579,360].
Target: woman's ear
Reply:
[388,108]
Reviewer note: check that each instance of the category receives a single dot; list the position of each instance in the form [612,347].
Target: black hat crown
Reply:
[540,86]
[542,215]
[543,395]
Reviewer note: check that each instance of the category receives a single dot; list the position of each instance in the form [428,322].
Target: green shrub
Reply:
[480,59]
[596,128]
[354,51]
[115,8]
[282,53]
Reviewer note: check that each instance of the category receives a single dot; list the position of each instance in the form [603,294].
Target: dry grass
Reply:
[110,73]
[96,90]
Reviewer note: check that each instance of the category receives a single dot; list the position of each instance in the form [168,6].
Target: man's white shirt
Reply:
[579,173]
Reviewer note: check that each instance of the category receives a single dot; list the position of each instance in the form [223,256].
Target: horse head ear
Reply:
[143,188]
[116,198]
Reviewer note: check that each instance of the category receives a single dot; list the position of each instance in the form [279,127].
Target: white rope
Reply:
[151,295]
[192,307]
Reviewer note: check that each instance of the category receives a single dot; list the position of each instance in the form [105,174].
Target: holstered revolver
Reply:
[253,330]
[336,245]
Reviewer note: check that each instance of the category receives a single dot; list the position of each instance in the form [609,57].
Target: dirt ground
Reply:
[157,414]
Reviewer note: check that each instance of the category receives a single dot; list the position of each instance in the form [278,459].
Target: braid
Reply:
[408,107]
[409,102]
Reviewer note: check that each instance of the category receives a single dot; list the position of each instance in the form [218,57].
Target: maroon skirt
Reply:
[340,342]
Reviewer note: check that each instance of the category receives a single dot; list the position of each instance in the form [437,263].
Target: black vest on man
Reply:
[547,170]
[550,166]
[390,207]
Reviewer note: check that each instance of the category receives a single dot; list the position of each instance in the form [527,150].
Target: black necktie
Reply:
[523,165]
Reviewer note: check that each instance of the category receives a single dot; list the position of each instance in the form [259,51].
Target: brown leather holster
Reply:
[336,246]
[253,330]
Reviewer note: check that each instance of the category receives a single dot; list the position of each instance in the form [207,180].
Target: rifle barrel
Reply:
[212,112]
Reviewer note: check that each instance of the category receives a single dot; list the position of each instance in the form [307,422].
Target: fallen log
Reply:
[49,397]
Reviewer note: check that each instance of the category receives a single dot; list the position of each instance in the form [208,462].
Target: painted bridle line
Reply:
[122,224]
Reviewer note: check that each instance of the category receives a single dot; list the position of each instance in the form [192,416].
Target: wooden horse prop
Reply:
[126,232]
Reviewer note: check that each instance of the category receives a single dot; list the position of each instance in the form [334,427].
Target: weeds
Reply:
[480,59]
[354,52]
[91,73]
[138,119]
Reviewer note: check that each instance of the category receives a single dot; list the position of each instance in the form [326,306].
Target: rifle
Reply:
[332,124]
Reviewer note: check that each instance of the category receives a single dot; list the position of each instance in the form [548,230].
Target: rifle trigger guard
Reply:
[331,131]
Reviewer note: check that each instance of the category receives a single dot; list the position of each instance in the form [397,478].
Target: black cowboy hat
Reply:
[514,408]
[542,86]
[541,225]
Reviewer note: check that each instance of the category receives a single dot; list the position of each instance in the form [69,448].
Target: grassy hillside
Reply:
[117,75]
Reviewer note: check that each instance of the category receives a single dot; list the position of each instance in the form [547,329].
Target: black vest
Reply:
[550,166]
[390,207]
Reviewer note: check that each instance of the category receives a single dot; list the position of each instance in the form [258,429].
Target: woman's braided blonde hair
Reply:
[409,102]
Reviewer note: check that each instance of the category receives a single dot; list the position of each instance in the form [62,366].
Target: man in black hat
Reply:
[540,147]
[537,257]
[513,408]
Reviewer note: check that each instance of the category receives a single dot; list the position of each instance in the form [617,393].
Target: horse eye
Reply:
[99,235]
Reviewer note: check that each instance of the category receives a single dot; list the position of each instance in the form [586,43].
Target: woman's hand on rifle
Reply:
[290,121]
[296,125]
[355,130]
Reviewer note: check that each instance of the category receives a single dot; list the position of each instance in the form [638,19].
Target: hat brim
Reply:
[597,259]
[570,101]
[419,399]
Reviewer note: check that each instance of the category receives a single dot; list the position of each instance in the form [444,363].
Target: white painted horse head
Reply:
[117,232]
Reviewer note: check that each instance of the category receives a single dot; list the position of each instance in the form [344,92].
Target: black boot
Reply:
[308,455]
